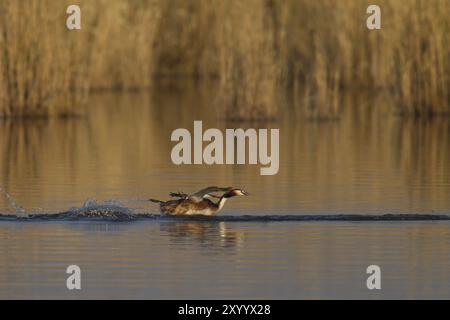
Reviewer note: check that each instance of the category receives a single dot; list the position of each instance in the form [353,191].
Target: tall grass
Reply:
[421,56]
[248,67]
[185,43]
[46,69]
[322,50]
[123,34]
[259,50]
[35,68]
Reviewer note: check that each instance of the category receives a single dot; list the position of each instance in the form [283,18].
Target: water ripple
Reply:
[123,214]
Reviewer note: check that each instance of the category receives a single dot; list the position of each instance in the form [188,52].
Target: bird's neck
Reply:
[221,203]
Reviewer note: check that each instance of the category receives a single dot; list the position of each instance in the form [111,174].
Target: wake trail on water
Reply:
[114,211]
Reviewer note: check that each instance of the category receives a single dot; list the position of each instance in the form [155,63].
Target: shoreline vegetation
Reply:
[259,51]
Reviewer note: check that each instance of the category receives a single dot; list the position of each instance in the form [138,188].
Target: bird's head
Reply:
[235,192]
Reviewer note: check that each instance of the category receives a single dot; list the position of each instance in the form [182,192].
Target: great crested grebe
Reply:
[198,203]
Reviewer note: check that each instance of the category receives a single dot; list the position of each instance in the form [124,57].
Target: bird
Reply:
[198,203]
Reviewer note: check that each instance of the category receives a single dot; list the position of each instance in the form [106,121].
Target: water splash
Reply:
[113,210]
[12,202]
[92,209]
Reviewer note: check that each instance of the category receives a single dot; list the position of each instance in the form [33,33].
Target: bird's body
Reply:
[199,203]
[188,207]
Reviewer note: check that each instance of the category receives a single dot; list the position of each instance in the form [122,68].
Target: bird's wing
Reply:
[179,195]
[200,194]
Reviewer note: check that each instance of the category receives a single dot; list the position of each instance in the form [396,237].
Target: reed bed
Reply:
[32,63]
[46,69]
[247,67]
[185,43]
[259,50]
[123,36]
[421,56]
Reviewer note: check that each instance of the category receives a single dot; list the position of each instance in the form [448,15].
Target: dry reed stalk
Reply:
[31,82]
[248,68]
[259,49]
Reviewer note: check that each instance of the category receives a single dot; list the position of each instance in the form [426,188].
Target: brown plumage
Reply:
[199,203]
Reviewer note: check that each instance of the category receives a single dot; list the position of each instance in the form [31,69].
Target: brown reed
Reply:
[260,50]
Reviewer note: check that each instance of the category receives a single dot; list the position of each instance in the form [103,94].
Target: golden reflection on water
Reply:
[369,161]
[366,162]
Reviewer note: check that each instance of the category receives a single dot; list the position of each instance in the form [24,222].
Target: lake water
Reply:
[118,155]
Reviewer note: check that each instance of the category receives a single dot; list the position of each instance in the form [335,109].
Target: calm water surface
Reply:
[225,260]
[119,153]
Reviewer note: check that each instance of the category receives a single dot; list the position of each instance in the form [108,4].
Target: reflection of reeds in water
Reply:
[259,49]
[122,151]
[423,146]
